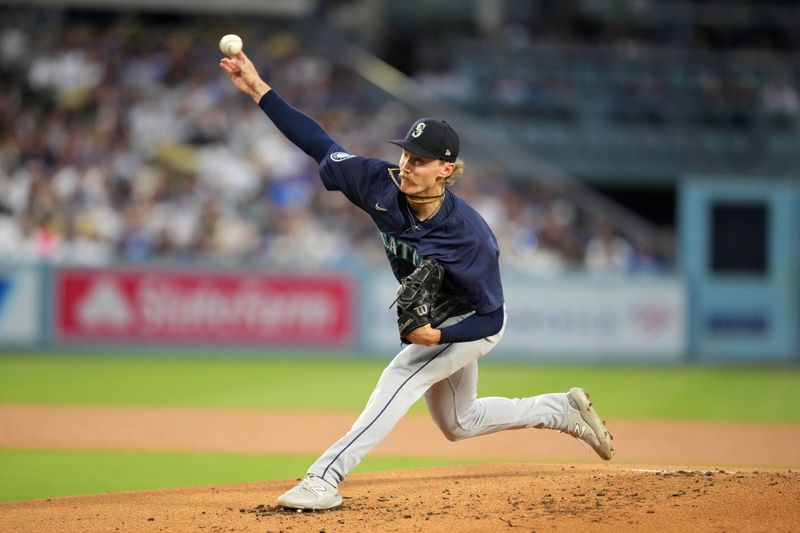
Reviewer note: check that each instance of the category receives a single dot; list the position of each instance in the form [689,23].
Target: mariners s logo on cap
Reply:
[435,139]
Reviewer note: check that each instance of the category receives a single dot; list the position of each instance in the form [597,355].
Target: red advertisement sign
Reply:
[197,307]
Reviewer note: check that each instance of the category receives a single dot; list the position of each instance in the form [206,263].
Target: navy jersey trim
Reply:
[391,172]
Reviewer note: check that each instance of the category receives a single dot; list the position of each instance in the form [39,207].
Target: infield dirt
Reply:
[665,477]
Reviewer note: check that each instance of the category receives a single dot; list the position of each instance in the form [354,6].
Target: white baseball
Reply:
[230,44]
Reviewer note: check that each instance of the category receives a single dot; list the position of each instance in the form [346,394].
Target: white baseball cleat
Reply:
[584,424]
[312,494]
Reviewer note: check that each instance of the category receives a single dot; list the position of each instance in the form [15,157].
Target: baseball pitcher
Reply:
[449,303]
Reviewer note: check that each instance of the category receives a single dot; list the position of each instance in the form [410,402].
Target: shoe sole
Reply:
[301,507]
[584,405]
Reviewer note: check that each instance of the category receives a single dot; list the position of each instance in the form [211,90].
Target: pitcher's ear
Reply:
[447,169]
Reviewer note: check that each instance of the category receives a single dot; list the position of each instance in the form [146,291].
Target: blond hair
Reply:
[457,172]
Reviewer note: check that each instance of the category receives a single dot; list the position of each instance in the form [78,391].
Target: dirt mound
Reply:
[468,498]
[608,497]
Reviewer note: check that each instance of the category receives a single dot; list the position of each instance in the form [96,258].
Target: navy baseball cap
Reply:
[431,138]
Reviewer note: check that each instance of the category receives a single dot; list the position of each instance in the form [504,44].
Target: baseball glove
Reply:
[418,299]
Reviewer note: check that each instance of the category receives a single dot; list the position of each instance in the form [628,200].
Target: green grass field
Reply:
[32,474]
[306,382]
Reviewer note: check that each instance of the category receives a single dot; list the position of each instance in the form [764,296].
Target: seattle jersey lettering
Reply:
[401,249]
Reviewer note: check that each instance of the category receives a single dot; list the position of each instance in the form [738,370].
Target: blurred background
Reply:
[637,161]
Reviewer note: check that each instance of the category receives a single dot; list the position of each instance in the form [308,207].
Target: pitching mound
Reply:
[475,498]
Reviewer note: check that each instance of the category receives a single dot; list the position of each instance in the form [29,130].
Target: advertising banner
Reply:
[621,319]
[203,307]
[564,319]
[20,306]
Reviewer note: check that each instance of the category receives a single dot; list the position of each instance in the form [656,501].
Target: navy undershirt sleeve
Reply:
[474,327]
[298,127]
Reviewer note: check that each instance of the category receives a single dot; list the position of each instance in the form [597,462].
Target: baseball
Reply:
[230,44]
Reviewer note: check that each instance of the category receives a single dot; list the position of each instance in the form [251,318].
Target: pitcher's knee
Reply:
[454,434]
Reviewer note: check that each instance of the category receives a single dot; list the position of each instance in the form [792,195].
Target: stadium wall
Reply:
[571,318]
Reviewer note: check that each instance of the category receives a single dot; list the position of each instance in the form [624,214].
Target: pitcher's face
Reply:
[422,176]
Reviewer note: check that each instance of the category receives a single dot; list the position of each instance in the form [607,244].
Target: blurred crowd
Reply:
[122,143]
[694,63]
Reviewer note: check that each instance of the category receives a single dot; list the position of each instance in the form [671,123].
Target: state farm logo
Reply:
[142,306]
[104,305]
[209,307]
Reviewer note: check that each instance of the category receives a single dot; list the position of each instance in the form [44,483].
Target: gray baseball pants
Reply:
[447,375]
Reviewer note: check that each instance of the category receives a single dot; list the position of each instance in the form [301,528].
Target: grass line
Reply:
[344,384]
